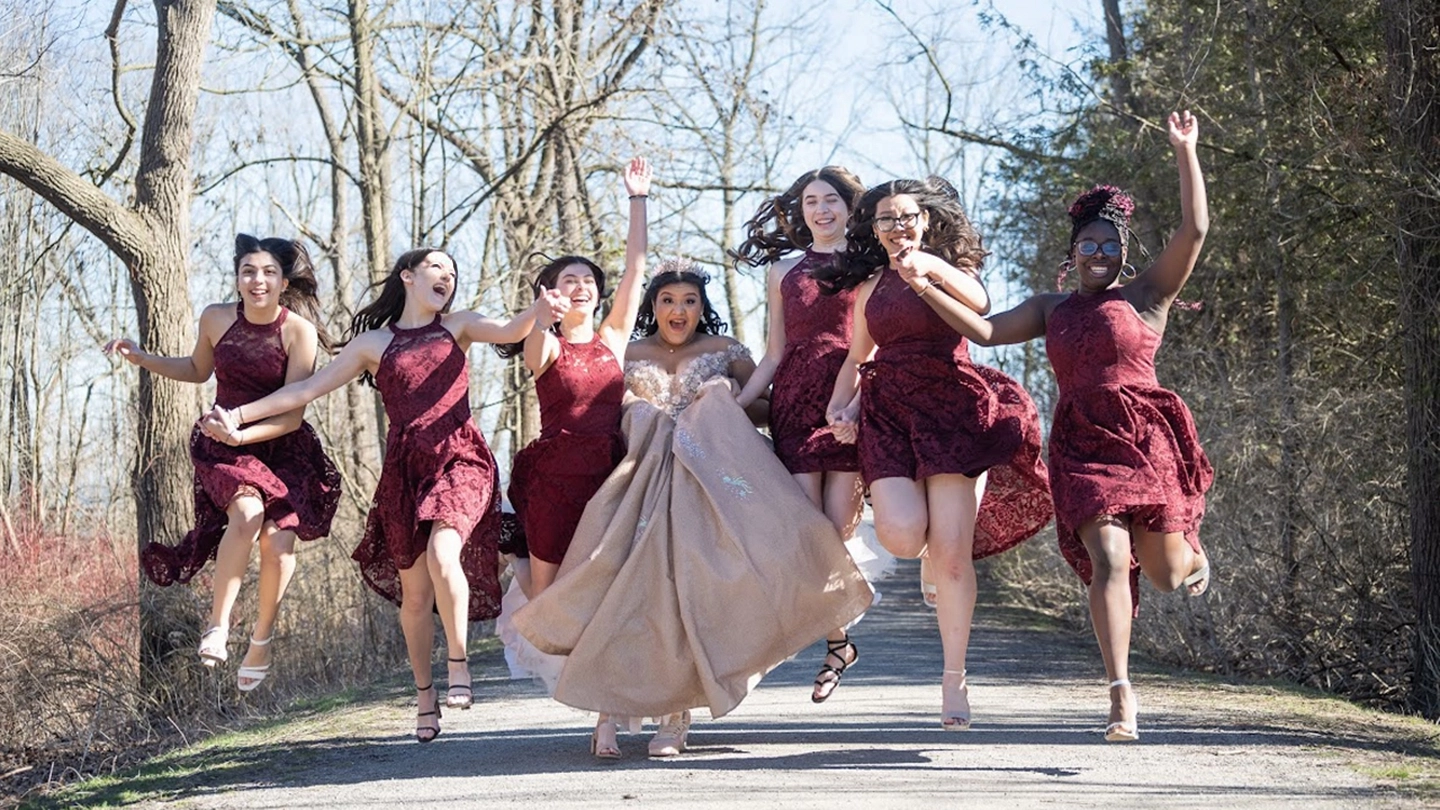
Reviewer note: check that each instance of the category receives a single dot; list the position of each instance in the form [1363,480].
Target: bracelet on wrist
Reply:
[639,196]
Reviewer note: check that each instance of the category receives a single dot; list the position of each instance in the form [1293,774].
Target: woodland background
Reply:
[136,139]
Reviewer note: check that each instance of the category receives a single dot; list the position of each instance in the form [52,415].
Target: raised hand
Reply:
[553,305]
[1184,129]
[126,348]
[637,178]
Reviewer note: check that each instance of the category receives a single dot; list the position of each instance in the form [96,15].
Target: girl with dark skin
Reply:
[1126,468]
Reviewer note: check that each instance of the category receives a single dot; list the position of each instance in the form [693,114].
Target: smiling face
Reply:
[260,280]
[431,282]
[906,220]
[678,308]
[1098,271]
[825,212]
[578,283]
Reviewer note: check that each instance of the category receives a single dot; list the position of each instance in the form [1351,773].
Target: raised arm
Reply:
[620,322]
[774,337]
[1162,281]
[476,328]
[199,365]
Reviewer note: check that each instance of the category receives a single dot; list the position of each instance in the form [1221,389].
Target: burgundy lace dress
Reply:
[437,467]
[291,473]
[580,443]
[925,410]
[817,340]
[1121,444]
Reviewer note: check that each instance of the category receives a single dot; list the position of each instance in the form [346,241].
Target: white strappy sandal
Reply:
[255,675]
[212,646]
[1127,730]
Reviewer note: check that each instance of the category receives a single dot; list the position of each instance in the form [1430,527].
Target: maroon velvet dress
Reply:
[580,443]
[437,467]
[925,410]
[292,474]
[1121,444]
[817,340]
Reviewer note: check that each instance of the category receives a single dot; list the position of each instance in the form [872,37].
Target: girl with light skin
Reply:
[580,383]
[935,431]
[281,483]
[807,341]
[1102,340]
[430,539]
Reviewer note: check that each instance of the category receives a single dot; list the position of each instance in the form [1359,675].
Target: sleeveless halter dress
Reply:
[817,341]
[296,480]
[579,445]
[1120,444]
[437,467]
[925,410]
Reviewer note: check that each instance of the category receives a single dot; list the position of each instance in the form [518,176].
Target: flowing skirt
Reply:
[697,568]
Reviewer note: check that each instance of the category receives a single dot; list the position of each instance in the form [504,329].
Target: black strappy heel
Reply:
[833,649]
[420,733]
[453,700]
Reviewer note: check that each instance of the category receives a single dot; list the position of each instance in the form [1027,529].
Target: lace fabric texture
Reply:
[297,482]
[554,477]
[926,409]
[1120,444]
[437,468]
[817,341]
[673,393]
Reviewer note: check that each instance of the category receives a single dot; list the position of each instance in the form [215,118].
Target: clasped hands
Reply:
[222,425]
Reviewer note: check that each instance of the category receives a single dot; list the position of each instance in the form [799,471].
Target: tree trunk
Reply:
[1412,40]
[1119,53]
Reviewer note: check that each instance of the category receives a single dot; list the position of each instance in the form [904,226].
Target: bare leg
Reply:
[901,515]
[246,514]
[953,502]
[840,496]
[1166,560]
[452,596]
[1107,541]
[277,566]
[417,600]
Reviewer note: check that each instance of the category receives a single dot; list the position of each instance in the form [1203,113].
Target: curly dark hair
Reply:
[301,295]
[677,271]
[546,277]
[949,235]
[778,227]
[1102,202]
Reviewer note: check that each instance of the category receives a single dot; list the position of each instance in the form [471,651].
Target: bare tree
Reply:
[150,235]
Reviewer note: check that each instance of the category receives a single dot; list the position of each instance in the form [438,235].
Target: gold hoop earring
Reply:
[1127,271]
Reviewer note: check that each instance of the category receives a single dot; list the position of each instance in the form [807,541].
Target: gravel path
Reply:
[1039,702]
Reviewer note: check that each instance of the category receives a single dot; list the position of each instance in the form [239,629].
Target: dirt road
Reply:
[1039,702]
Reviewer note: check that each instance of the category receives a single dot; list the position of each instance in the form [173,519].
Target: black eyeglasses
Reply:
[1089,247]
[887,224]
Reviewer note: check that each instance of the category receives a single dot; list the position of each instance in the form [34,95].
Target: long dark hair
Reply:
[390,303]
[677,271]
[547,278]
[949,235]
[778,227]
[301,294]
